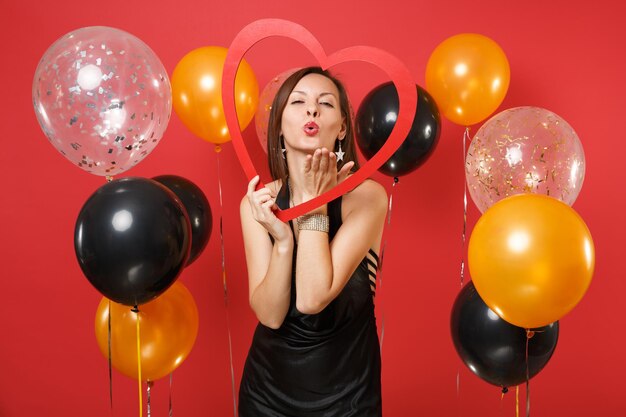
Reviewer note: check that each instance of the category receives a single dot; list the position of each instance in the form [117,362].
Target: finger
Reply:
[315,162]
[324,160]
[252,185]
[262,193]
[257,205]
[268,204]
[332,163]
[263,211]
[263,198]
[347,167]
[345,171]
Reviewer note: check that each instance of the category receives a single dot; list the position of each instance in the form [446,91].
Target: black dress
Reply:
[325,364]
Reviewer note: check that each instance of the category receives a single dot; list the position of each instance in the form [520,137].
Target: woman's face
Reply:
[312,117]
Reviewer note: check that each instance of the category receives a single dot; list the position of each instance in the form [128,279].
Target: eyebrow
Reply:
[321,95]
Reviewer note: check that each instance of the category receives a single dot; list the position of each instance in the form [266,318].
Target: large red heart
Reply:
[394,68]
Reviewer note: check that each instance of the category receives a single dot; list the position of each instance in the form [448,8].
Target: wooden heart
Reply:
[394,68]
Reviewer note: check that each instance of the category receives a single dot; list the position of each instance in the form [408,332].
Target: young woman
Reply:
[315,351]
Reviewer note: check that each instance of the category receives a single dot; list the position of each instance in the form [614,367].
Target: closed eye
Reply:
[297,101]
[325,103]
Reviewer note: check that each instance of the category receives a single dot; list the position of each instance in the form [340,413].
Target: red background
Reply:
[565,57]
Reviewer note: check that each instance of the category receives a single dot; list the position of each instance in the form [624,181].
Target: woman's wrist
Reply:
[284,244]
[315,222]
[323,209]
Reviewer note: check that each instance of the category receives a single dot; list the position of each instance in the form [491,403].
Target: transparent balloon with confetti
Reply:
[524,150]
[103,99]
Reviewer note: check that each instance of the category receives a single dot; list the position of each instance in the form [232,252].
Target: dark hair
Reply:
[278,165]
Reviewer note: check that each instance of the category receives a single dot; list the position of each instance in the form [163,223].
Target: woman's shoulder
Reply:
[368,188]
[366,195]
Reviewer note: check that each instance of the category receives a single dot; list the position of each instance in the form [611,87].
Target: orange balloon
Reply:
[531,258]
[197,93]
[168,329]
[468,75]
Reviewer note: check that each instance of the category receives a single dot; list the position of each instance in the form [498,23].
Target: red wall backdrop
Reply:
[565,57]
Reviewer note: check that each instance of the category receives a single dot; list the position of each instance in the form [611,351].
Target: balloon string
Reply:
[148,389]
[458,391]
[465,138]
[218,149]
[170,412]
[529,334]
[517,401]
[505,390]
[224,281]
[109,357]
[379,272]
[136,311]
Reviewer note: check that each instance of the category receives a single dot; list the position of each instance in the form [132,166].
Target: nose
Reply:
[312,111]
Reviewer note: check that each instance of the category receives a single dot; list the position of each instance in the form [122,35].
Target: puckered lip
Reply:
[311,128]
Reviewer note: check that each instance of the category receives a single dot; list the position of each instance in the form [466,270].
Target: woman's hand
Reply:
[320,173]
[262,202]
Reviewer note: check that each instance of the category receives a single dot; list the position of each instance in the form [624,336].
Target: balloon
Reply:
[376,118]
[531,258]
[262,116]
[168,328]
[492,348]
[198,211]
[468,75]
[132,239]
[197,93]
[103,98]
[524,150]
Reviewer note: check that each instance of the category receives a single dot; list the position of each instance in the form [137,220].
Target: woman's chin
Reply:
[311,143]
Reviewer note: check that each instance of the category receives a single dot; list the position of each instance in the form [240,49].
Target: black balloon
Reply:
[198,210]
[132,239]
[494,349]
[376,118]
